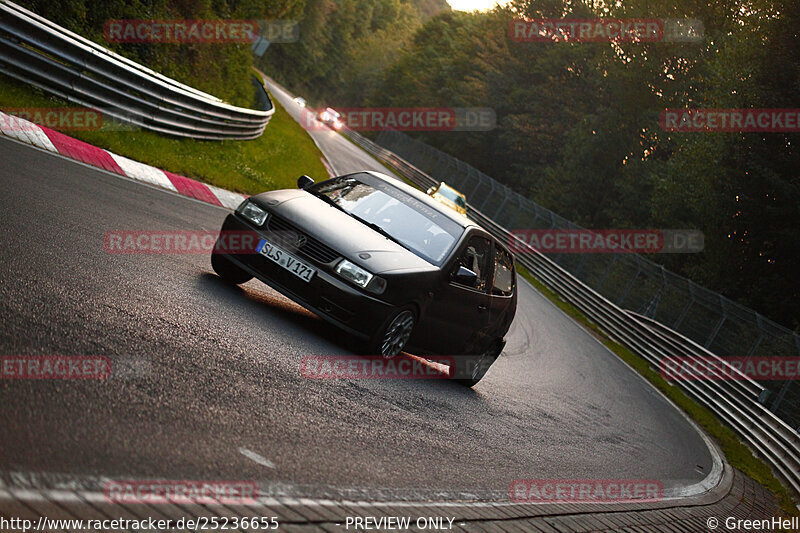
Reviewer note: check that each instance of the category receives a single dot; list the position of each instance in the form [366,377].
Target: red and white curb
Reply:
[327,166]
[53,141]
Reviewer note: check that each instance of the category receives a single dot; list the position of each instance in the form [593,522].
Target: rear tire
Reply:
[478,366]
[228,271]
[393,335]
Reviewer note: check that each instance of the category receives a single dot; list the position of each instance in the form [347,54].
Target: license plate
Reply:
[286,260]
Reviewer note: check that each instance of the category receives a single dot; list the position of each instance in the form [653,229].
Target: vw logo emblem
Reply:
[300,241]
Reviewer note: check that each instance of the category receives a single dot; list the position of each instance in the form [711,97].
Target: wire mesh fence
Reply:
[631,281]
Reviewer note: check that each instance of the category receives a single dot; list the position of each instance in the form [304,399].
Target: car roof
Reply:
[460,219]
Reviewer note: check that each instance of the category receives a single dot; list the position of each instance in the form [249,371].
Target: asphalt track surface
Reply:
[343,156]
[203,371]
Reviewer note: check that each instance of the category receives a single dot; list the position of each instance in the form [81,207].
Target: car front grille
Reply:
[286,235]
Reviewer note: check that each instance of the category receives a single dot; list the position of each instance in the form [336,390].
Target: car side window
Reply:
[476,257]
[503,284]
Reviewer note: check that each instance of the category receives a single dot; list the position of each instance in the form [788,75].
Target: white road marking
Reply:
[257,458]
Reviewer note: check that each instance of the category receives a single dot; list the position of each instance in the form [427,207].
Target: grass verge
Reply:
[272,161]
[738,454]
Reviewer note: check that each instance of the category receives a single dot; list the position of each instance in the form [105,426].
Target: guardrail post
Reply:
[651,308]
[486,198]
[778,399]
[756,344]
[603,277]
[786,385]
[630,283]
[685,311]
[719,323]
[500,208]
[582,262]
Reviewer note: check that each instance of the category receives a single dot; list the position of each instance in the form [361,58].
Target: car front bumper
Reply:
[326,294]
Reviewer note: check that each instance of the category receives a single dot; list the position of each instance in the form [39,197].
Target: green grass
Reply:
[273,161]
[738,454]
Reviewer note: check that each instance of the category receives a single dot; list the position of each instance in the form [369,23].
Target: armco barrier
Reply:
[41,53]
[629,280]
[735,402]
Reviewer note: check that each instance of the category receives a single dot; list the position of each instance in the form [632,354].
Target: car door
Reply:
[503,292]
[458,317]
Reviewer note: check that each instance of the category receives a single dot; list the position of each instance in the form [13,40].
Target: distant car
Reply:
[382,261]
[449,197]
[299,100]
[331,118]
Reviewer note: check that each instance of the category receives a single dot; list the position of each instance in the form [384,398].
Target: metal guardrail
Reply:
[631,281]
[735,402]
[43,54]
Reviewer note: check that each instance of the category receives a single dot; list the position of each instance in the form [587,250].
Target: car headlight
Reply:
[360,277]
[354,273]
[252,212]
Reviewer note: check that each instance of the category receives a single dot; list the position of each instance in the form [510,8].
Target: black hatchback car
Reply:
[384,262]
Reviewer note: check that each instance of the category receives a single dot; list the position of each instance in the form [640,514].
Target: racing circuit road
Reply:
[343,156]
[208,382]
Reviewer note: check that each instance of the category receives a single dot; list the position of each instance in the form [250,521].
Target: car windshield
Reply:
[409,221]
[453,196]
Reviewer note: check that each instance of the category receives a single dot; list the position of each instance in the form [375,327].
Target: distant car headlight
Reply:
[252,212]
[357,275]
[337,125]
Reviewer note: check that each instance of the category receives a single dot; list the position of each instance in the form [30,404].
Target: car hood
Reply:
[342,232]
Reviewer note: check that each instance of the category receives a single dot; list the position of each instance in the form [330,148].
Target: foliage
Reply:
[578,123]
[210,67]
[345,46]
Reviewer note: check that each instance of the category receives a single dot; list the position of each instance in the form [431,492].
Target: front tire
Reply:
[478,366]
[228,271]
[393,336]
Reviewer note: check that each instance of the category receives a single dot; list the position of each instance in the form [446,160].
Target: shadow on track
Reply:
[272,303]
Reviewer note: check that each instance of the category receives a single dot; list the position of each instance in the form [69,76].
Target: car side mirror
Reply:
[304,182]
[465,276]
